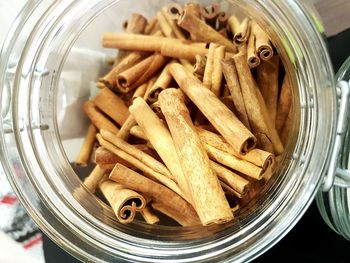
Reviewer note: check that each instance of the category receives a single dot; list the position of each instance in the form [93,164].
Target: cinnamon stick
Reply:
[233,162]
[93,179]
[233,24]
[160,138]
[149,216]
[162,83]
[231,76]
[151,27]
[176,31]
[174,11]
[158,193]
[136,153]
[208,72]
[207,195]
[262,42]
[210,14]
[199,66]
[252,56]
[182,51]
[105,158]
[86,148]
[140,91]
[97,118]
[217,75]
[259,120]
[238,183]
[165,26]
[140,73]
[112,105]
[257,157]
[267,80]
[200,31]
[192,8]
[284,104]
[241,139]
[124,202]
[140,165]
[242,34]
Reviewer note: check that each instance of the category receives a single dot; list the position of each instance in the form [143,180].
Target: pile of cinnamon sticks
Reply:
[190,117]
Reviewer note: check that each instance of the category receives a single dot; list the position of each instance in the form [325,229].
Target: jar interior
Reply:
[81,64]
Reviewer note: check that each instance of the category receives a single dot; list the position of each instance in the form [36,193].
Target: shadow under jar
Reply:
[40,124]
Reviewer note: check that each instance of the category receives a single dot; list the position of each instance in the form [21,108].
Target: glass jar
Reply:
[36,139]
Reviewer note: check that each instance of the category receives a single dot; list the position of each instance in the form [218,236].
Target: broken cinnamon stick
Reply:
[262,42]
[242,34]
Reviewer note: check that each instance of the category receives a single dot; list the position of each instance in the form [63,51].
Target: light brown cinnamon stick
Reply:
[262,42]
[207,195]
[238,183]
[93,179]
[161,140]
[149,215]
[199,66]
[257,157]
[124,202]
[267,80]
[210,14]
[231,76]
[140,165]
[252,56]
[174,11]
[242,34]
[259,120]
[112,105]
[86,148]
[136,153]
[233,24]
[235,163]
[173,25]
[97,118]
[284,104]
[157,192]
[105,158]
[217,75]
[240,138]
[200,31]
[209,66]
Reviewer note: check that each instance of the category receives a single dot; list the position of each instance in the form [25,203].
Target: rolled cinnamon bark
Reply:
[257,157]
[105,158]
[259,120]
[174,11]
[233,24]
[199,66]
[216,81]
[207,195]
[140,165]
[161,83]
[136,153]
[192,8]
[242,34]
[284,104]
[238,183]
[209,66]
[124,202]
[157,192]
[97,118]
[140,73]
[165,26]
[182,51]
[231,76]
[138,132]
[140,91]
[235,163]
[210,14]
[152,26]
[86,149]
[267,80]
[112,105]
[252,56]
[262,42]
[160,138]
[200,31]
[93,179]
[240,138]
[149,215]
[110,80]
[173,25]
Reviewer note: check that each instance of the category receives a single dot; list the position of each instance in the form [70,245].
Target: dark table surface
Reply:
[311,240]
